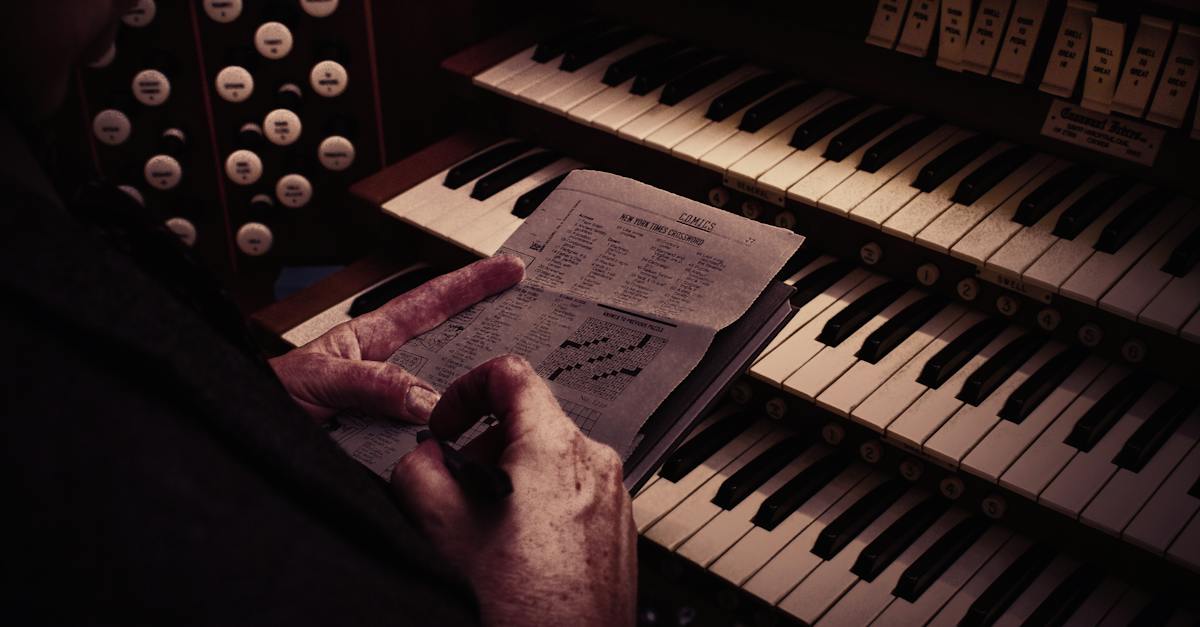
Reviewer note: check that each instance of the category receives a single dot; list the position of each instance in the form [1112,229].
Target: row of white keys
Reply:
[998,227]
[480,234]
[711,135]
[831,174]
[959,435]
[800,163]
[956,608]
[917,213]
[956,221]
[833,361]
[806,310]
[742,143]
[929,412]
[661,497]
[696,119]
[1146,279]
[1049,453]
[795,351]
[425,202]
[861,184]
[660,115]
[899,392]
[585,79]
[1169,509]
[591,108]
[863,603]
[757,162]
[878,207]
[1172,307]
[1007,441]
[1087,472]
[863,378]
[729,526]
[1186,548]
[697,509]
[493,76]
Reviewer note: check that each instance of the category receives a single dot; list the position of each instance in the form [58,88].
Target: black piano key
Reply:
[1155,613]
[951,161]
[959,351]
[851,522]
[995,371]
[555,44]
[1040,384]
[693,81]
[633,63]
[796,492]
[799,260]
[1195,489]
[1185,255]
[857,313]
[1084,211]
[587,52]
[988,175]
[1008,586]
[656,75]
[1153,433]
[899,328]
[1098,419]
[742,94]
[1131,220]
[928,568]
[484,162]
[379,295]
[532,199]
[899,535]
[858,134]
[816,282]
[1067,596]
[826,122]
[692,453]
[750,477]
[775,105]
[502,178]
[1046,197]
[899,140]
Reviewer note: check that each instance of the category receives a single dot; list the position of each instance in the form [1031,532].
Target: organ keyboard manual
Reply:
[626,288]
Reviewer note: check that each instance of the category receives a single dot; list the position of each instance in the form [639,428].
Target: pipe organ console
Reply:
[981,411]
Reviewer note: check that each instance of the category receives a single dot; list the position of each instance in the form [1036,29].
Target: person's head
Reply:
[42,40]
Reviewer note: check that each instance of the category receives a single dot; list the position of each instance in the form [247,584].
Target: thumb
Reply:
[324,385]
[429,494]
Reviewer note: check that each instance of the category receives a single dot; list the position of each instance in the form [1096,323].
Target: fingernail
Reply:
[420,401]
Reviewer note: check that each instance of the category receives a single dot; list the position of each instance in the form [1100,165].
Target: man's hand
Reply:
[561,549]
[347,369]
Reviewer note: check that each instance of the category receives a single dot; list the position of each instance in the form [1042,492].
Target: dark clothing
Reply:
[158,473]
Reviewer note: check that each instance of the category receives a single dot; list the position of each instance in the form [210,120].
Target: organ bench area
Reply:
[982,410]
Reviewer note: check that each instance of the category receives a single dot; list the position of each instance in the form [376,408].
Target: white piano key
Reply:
[1162,518]
[1097,605]
[1178,301]
[901,613]
[896,193]
[1126,608]
[806,311]
[848,194]
[663,496]
[529,77]
[955,222]
[1065,256]
[1043,585]
[697,509]
[1125,494]
[758,546]
[1007,440]
[1024,248]
[1046,457]
[449,223]
[711,135]
[422,204]
[1102,270]
[1191,330]
[319,324]
[956,608]
[745,171]
[723,531]
[1146,279]
[928,413]
[925,207]
[587,78]
[998,227]
[794,352]
[1185,549]
[959,435]
[867,599]
[809,600]
[695,120]
[800,163]
[587,111]
[853,387]
[899,392]
[1086,474]
[404,203]
[833,361]
[473,234]
[497,74]
[660,115]
[627,110]
[728,152]
[796,561]
[830,174]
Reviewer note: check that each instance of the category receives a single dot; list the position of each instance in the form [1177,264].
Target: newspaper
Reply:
[625,287]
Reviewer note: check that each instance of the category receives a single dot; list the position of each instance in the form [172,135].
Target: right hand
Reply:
[560,550]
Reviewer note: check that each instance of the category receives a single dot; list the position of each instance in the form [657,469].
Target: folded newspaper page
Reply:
[625,287]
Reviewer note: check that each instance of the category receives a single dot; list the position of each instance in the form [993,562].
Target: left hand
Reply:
[347,367]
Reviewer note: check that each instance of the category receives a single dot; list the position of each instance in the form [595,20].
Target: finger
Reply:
[324,385]
[505,387]
[486,447]
[380,332]
[427,491]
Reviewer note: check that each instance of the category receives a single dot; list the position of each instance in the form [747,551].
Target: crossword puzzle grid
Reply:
[601,358]
[585,418]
